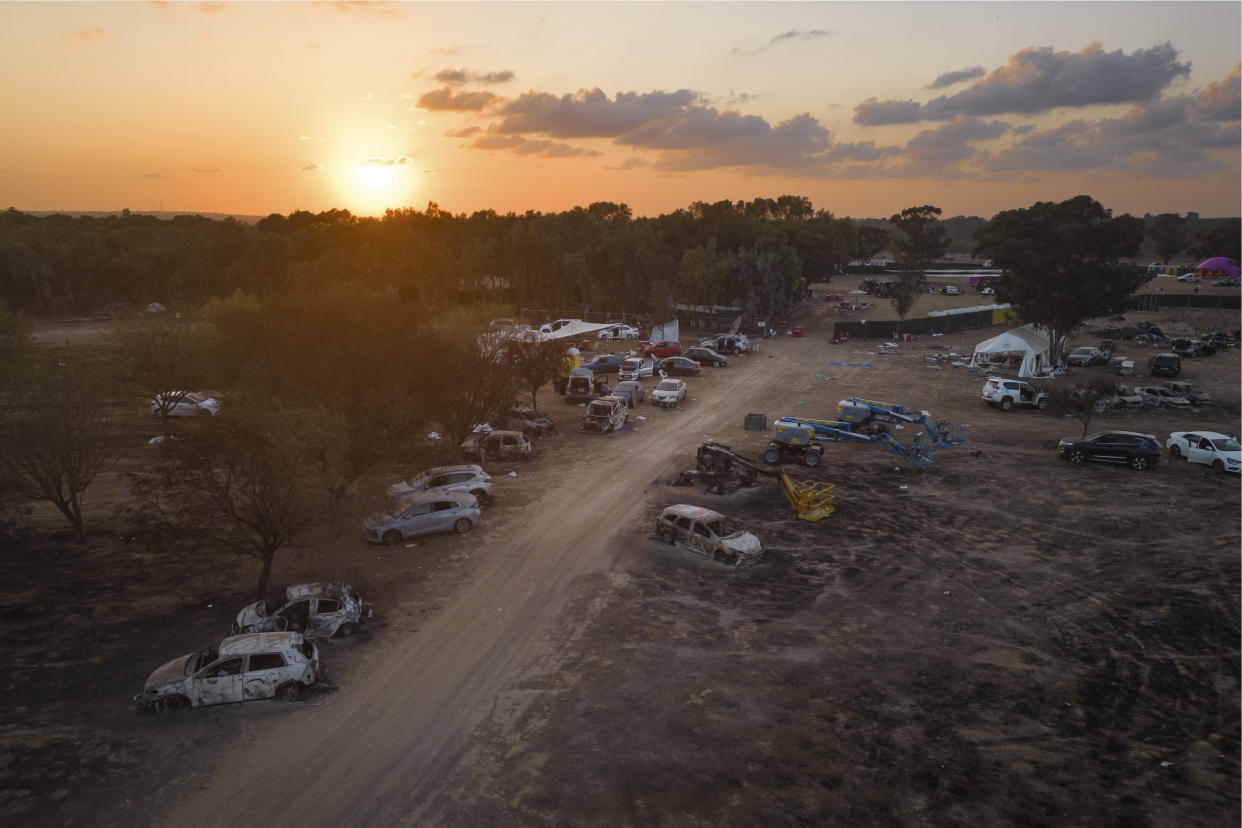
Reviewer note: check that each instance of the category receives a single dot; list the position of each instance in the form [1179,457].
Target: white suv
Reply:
[1007,393]
[461,478]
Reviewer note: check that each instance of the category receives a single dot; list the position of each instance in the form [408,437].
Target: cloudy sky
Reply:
[257,108]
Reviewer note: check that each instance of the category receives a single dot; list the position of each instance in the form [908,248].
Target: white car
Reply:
[1220,451]
[317,610]
[553,327]
[619,331]
[185,404]
[460,478]
[240,668]
[669,392]
[636,368]
[1160,397]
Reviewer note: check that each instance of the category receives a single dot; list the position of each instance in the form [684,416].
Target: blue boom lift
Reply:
[865,421]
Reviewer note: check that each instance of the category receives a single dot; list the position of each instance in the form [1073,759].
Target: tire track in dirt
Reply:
[379,750]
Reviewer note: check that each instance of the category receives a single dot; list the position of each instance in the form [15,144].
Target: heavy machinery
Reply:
[724,470]
[865,421]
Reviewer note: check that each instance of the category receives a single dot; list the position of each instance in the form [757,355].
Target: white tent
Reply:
[576,328]
[1027,347]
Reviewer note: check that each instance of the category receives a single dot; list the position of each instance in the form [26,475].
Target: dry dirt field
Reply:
[999,639]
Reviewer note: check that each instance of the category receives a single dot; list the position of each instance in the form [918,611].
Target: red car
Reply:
[663,348]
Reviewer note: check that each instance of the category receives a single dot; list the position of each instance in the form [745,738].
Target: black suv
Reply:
[1139,451]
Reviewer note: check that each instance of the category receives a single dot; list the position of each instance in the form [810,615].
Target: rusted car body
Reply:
[709,534]
[496,445]
[605,414]
[240,668]
[317,610]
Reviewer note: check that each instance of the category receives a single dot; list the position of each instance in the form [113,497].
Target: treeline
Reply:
[756,255]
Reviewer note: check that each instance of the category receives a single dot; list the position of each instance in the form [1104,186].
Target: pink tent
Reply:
[1218,266]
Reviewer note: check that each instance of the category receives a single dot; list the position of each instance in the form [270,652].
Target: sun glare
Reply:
[373,185]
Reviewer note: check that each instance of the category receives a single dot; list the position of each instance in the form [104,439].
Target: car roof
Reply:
[1126,433]
[253,642]
[695,512]
[438,470]
[318,588]
[613,398]
[1211,435]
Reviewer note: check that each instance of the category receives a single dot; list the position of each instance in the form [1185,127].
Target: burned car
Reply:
[606,414]
[317,610]
[709,534]
[530,422]
[496,445]
[240,668]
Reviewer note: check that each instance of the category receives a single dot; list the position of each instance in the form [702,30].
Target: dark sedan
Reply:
[678,366]
[604,364]
[1191,348]
[1139,451]
[706,356]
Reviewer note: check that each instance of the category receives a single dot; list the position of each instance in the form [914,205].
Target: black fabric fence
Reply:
[1153,302]
[921,326]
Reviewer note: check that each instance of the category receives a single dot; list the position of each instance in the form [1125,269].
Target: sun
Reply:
[375,179]
[376,183]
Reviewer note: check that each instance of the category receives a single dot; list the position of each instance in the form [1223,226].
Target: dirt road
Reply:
[377,751]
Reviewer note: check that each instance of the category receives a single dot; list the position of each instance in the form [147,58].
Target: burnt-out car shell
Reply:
[240,668]
[317,610]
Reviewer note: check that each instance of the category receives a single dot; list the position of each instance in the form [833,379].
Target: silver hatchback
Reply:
[424,514]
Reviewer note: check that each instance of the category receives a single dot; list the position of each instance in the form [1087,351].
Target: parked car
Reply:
[185,404]
[606,414]
[460,478]
[678,365]
[987,291]
[661,349]
[706,356]
[1188,391]
[239,668]
[580,386]
[1192,278]
[530,422]
[317,610]
[727,343]
[424,514]
[496,445]
[1140,451]
[604,364]
[1158,396]
[1226,282]
[1191,348]
[636,368]
[1152,340]
[631,390]
[1164,365]
[1007,393]
[709,534]
[669,393]
[618,332]
[952,290]
[1220,451]
[1087,355]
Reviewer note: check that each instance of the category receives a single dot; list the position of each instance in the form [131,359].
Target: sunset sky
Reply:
[255,108]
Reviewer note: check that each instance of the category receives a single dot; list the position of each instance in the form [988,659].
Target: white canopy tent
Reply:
[574,330]
[1028,347]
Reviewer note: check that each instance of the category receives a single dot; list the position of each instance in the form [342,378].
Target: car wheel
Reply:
[462,526]
[1042,405]
[1078,456]
[346,629]
[1139,462]
[666,536]
[392,537]
[1006,404]
[715,363]
[812,458]
[1217,465]
[480,496]
[772,456]
[1175,452]
[290,691]
[173,704]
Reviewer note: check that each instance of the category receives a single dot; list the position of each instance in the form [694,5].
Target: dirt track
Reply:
[1000,639]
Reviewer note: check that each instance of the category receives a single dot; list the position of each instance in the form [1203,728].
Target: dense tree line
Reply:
[756,255]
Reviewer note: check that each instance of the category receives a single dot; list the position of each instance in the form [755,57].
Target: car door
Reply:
[296,616]
[682,528]
[443,513]
[264,673]
[702,540]
[326,615]
[1199,449]
[1105,447]
[416,520]
[219,683]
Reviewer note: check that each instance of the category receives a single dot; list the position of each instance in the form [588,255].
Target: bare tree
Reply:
[55,433]
[1080,402]
[161,358]
[246,486]
[533,363]
[906,290]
